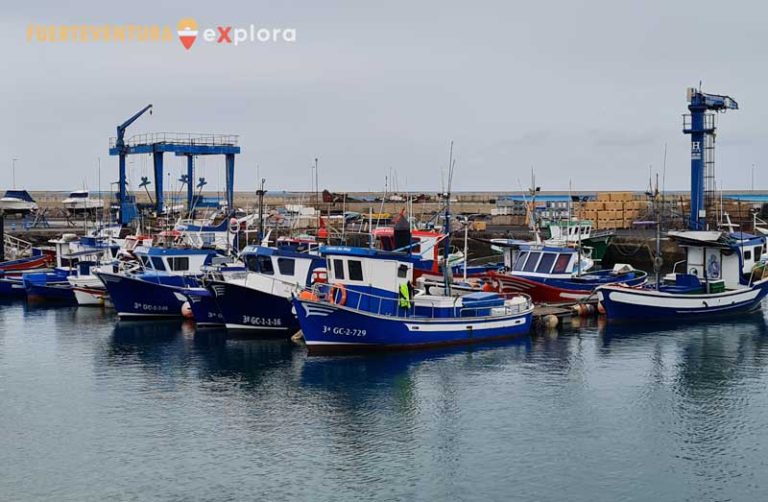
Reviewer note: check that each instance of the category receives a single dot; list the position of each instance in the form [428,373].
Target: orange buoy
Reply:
[342,294]
[307,295]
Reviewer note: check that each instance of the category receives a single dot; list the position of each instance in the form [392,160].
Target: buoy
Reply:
[307,295]
[550,321]
[586,310]
[600,308]
[186,311]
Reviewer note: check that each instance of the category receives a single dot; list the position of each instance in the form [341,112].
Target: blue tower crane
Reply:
[700,124]
[182,145]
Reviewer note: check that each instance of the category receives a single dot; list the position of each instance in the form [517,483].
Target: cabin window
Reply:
[338,269]
[286,266]
[758,252]
[545,265]
[265,265]
[157,263]
[747,255]
[144,261]
[251,263]
[402,271]
[520,261]
[561,264]
[179,263]
[533,259]
[355,270]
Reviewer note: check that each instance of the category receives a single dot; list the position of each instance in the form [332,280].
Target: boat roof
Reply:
[158,251]
[376,254]
[19,194]
[287,251]
[713,238]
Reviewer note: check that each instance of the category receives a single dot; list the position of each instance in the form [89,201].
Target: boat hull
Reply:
[26,264]
[544,290]
[133,298]
[62,292]
[334,328]
[245,308]
[204,308]
[12,288]
[622,303]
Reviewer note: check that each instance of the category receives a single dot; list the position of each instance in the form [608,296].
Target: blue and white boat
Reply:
[260,298]
[368,304]
[74,258]
[724,276]
[157,290]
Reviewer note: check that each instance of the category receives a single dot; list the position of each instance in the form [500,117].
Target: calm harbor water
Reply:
[95,409]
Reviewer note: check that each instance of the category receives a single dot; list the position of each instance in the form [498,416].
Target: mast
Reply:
[447,248]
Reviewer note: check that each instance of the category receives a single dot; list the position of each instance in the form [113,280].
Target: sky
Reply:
[587,93]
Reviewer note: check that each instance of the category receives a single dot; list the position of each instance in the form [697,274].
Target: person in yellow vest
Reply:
[406,292]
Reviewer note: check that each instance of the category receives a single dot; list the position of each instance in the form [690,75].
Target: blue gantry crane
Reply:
[181,144]
[700,124]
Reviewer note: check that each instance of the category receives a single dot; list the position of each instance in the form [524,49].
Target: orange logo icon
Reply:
[187,31]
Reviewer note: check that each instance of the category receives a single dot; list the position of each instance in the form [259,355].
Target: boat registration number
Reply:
[336,330]
[150,308]
[262,321]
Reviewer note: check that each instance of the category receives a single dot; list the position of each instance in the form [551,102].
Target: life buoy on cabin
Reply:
[234,225]
[342,294]
[319,276]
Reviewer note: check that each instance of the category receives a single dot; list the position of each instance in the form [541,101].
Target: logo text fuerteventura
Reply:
[187,33]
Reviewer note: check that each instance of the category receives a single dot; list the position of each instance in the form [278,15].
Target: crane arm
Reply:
[711,101]
[122,127]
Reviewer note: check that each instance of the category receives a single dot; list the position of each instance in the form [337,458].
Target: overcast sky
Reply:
[586,91]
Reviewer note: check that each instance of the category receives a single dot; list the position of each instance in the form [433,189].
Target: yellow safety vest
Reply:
[405,296]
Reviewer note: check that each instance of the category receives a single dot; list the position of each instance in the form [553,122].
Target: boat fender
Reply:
[550,321]
[342,294]
[186,311]
[600,308]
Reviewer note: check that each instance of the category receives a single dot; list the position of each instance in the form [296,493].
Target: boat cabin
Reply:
[283,264]
[171,261]
[540,260]
[570,231]
[713,256]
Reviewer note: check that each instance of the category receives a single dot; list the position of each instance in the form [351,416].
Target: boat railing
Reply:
[674,267]
[15,247]
[390,305]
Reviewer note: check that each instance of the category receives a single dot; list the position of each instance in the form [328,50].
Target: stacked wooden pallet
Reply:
[614,209]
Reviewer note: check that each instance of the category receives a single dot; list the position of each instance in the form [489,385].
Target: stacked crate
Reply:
[614,209]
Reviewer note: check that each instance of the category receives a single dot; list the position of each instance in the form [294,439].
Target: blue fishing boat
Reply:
[260,298]
[369,304]
[74,256]
[157,289]
[724,276]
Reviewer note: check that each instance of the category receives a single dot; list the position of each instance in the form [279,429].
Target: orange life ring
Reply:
[342,292]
